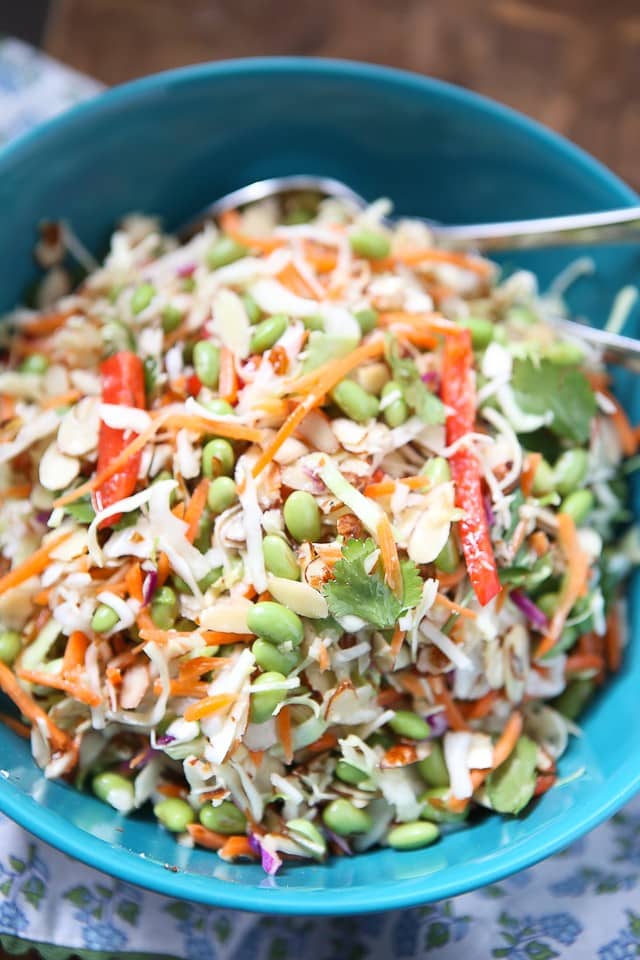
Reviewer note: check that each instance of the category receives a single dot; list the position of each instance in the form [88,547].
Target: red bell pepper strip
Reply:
[458,393]
[122,384]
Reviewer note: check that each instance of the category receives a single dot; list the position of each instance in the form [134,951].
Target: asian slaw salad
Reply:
[306,529]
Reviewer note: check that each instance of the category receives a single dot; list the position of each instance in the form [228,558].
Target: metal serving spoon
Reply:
[608,226]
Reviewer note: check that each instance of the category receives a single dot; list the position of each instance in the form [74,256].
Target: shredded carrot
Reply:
[7,408]
[483,268]
[573,584]
[452,579]
[389,697]
[389,552]
[397,640]
[382,489]
[285,431]
[502,749]
[414,684]
[323,658]
[27,706]
[578,662]
[183,688]
[209,705]
[34,565]
[193,513]
[200,665]
[257,756]
[613,640]
[114,676]
[531,464]
[626,433]
[283,729]
[56,681]
[443,697]
[61,400]
[544,782]
[231,224]
[19,491]
[327,741]
[206,838]
[598,379]
[539,542]
[221,428]
[46,323]
[228,383]
[41,598]
[456,607]
[322,259]
[432,323]
[75,651]
[171,790]
[482,707]
[236,847]
[164,568]
[133,581]
[324,378]
[16,725]
[291,278]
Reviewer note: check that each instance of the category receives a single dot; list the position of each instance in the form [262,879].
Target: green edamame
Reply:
[225,818]
[570,470]
[367,319]
[575,697]
[171,318]
[116,336]
[164,608]
[564,354]
[263,703]
[221,495]
[544,479]
[142,297]
[307,835]
[397,411]
[223,252]
[302,516]
[104,618]
[279,558]
[273,659]
[349,774]
[218,407]
[448,559]
[253,310]
[482,331]
[410,725]
[433,769]
[206,362]
[344,818]
[548,603]
[370,243]
[35,363]
[114,789]
[218,458]
[436,470]
[275,623]
[313,322]
[434,807]
[578,505]
[174,814]
[10,645]
[412,835]
[355,402]
[268,332]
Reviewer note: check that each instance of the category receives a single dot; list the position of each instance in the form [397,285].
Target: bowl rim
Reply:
[51,827]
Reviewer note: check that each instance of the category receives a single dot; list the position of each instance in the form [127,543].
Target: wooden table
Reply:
[573,64]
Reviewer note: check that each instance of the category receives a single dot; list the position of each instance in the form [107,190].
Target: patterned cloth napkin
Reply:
[577,905]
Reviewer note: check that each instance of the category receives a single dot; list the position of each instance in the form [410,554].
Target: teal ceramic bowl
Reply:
[168,144]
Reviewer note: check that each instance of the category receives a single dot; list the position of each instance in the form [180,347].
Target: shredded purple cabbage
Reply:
[488,509]
[271,862]
[438,723]
[149,586]
[339,841]
[165,739]
[533,613]
[187,270]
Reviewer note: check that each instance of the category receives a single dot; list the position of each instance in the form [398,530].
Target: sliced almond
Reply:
[228,616]
[57,470]
[78,432]
[299,597]
[231,323]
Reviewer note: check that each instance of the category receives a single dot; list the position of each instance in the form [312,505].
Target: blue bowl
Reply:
[168,144]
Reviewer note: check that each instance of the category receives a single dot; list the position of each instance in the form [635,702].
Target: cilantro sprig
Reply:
[563,390]
[427,405]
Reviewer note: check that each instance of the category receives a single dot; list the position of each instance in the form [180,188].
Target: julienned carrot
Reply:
[133,580]
[386,487]
[34,565]
[578,662]
[183,688]
[482,707]
[16,725]
[19,491]
[221,428]
[327,741]
[324,378]
[389,553]
[171,790]
[193,513]
[483,268]
[231,224]
[236,847]
[389,697]
[612,640]
[575,579]
[46,324]
[283,730]
[324,661]
[60,400]
[528,474]
[452,579]
[291,278]
[209,705]
[442,696]
[455,607]
[74,688]
[228,383]
[164,569]
[285,431]
[27,706]
[397,640]
[626,433]
[539,542]
[199,666]
[75,651]
[206,838]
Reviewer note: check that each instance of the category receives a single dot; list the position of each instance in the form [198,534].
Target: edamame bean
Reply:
[219,407]
[570,470]
[575,697]
[114,789]
[436,470]
[272,622]
[35,363]
[367,319]
[116,336]
[224,251]
[273,659]
[10,644]
[279,558]
[544,479]
[370,243]
[433,769]
[174,813]
[210,577]
[225,818]
[206,362]
[344,818]
[481,331]
[202,541]
[268,332]
[548,603]
[349,774]
[578,505]
[253,310]
[412,835]
[355,402]
[313,322]
[448,559]
[564,354]
[218,458]
[302,516]
[263,703]
[142,297]
[397,411]
[222,494]
[435,807]
[164,608]
[307,835]
[171,318]
[410,725]
[104,618]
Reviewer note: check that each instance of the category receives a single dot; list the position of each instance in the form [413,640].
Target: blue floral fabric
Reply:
[584,903]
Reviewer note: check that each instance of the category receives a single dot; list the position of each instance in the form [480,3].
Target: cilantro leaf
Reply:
[427,405]
[81,511]
[321,347]
[563,390]
[354,592]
